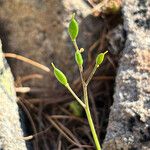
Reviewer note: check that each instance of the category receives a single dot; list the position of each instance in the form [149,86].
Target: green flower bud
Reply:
[78,58]
[60,75]
[73,28]
[100,58]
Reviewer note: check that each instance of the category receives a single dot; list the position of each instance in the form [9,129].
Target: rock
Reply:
[10,127]
[116,40]
[129,121]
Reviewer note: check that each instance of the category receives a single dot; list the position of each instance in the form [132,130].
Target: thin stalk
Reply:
[91,75]
[81,73]
[75,96]
[75,45]
[86,102]
[89,117]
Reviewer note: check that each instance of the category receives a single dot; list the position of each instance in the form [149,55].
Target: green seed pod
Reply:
[100,58]
[60,76]
[73,28]
[78,58]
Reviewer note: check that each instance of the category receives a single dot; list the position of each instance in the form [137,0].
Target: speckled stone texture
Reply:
[129,121]
[10,127]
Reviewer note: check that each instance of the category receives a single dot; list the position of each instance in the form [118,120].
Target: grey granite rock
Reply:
[129,121]
[10,127]
[116,40]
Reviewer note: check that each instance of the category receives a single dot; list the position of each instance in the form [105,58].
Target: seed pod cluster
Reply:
[73,28]
[60,76]
[100,58]
[78,58]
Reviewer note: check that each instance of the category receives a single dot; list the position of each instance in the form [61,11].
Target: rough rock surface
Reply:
[10,127]
[129,122]
[116,40]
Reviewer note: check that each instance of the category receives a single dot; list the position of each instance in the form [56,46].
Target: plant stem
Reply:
[89,117]
[86,101]
[75,45]
[91,75]
[75,96]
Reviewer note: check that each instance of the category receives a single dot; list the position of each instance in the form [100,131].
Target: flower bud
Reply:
[60,76]
[100,58]
[73,28]
[81,50]
[78,58]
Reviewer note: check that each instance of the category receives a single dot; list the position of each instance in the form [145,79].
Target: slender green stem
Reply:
[75,96]
[89,117]
[91,75]
[86,102]
[75,45]
[81,73]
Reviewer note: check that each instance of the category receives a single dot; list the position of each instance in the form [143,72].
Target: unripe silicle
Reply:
[78,58]
[100,58]
[60,76]
[73,28]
